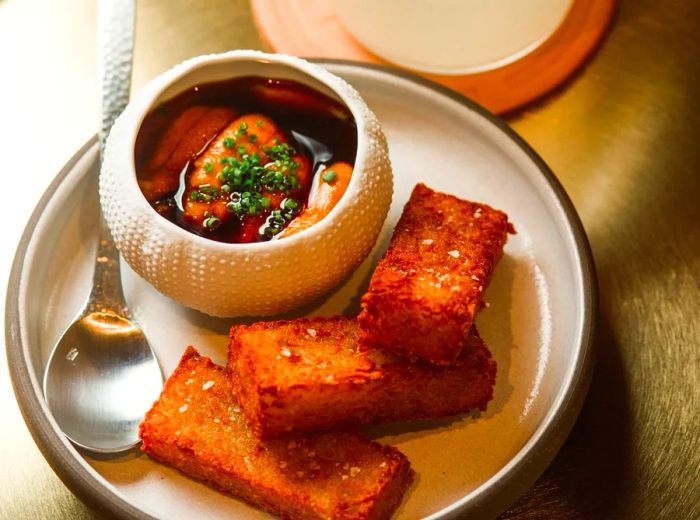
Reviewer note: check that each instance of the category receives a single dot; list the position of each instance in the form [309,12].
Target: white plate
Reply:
[538,326]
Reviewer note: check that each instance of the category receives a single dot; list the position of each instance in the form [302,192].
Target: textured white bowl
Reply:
[245,279]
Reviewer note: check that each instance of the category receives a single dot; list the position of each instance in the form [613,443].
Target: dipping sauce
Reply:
[242,160]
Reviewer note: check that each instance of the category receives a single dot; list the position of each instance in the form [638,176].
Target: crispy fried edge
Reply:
[372,333]
[266,425]
[386,499]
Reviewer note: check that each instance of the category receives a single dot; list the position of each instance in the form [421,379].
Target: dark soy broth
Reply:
[314,125]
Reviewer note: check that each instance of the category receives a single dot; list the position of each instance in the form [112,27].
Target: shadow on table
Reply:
[591,472]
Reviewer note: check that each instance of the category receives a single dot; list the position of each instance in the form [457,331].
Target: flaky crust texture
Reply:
[197,427]
[309,374]
[430,283]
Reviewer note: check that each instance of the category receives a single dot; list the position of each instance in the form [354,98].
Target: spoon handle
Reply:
[115,43]
[107,294]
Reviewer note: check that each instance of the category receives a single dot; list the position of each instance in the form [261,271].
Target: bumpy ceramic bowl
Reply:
[261,278]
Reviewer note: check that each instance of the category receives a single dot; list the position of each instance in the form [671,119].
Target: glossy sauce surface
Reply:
[191,145]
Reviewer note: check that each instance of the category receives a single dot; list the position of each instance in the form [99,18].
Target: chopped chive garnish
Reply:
[259,123]
[329,176]
[212,222]
[245,179]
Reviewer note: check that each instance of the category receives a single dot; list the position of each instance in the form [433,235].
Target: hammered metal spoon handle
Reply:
[115,42]
[102,374]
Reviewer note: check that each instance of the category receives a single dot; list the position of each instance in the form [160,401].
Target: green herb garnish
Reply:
[245,179]
[329,176]
[204,193]
[242,130]
[212,222]
[290,204]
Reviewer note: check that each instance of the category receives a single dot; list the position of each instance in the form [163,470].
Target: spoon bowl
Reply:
[103,377]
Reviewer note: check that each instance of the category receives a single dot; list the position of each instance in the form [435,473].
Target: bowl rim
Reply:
[491,497]
[149,97]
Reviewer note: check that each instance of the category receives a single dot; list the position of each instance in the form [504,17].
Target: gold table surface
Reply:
[623,136]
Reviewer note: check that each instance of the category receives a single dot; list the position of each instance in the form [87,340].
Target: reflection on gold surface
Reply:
[621,138]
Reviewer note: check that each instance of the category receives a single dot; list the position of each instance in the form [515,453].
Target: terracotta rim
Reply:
[493,496]
[318,33]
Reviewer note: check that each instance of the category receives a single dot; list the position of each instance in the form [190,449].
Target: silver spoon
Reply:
[102,375]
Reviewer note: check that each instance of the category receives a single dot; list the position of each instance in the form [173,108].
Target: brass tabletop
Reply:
[623,136]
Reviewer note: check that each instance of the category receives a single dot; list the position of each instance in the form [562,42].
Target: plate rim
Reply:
[492,497]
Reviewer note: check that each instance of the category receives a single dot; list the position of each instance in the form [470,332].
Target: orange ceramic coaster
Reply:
[310,28]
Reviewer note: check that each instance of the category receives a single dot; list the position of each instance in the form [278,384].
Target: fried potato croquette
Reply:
[309,374]
[197,427]
[430,283]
